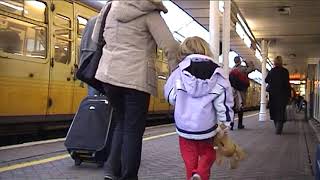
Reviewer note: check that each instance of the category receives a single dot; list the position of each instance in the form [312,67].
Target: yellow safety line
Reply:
[159,136]
[63,156]
[32,163]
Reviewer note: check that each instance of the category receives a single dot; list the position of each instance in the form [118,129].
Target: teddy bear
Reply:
[225,147]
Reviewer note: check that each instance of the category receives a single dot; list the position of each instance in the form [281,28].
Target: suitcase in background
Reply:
[290,113]
[87,138]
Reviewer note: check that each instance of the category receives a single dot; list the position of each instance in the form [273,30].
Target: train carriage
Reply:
[39,50]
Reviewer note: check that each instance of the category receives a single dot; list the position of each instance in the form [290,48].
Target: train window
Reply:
[12,6]
[162,69]
[21,38]
[82,22]
[62,51]
[62,45]
[36,43]
[161,56]
[35,10]
[162,65]
[63,26]
[31,9]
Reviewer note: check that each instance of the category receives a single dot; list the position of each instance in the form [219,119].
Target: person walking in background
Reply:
[240,82]
[202,96]
[279,91]
[133,31]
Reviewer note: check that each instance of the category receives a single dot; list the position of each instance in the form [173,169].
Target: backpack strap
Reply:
[101,40]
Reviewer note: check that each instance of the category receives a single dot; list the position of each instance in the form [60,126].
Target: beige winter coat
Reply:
[134,30]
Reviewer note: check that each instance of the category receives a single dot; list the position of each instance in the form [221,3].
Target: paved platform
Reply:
[278,157]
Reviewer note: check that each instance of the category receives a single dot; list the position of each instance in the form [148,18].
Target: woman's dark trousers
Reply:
[277,112]
[128,125]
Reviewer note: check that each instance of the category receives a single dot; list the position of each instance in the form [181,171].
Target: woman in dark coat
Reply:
[279,91]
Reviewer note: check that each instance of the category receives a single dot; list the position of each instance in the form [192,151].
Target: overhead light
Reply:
[221,6]
[284,10]
[247,41]
[103,2]
[268,66]
[243,35]
[295,82]
[259,48]
[244,25]
[292,56]
[258,55]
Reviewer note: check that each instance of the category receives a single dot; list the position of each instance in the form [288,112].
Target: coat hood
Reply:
[126,11]
[199,75]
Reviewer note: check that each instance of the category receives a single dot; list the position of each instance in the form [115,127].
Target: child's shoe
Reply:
[196,177]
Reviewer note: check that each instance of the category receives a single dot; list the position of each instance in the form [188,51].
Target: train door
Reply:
[82,15]
[24,67]
[62,60]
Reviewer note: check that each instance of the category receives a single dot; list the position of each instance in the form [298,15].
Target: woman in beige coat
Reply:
[134,30]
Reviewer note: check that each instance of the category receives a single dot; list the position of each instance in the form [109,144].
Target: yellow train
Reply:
[39,49]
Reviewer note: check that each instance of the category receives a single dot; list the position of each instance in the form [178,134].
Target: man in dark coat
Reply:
[279,91]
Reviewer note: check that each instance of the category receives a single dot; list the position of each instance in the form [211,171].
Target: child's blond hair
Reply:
[194,45]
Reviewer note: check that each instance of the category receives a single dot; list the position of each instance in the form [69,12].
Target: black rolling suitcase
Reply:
[87,138]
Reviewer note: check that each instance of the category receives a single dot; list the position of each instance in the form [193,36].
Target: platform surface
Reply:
[288,156]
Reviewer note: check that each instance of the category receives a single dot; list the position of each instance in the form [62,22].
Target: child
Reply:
[202,97]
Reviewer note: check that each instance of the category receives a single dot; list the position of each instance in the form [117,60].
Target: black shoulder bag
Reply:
[88,69]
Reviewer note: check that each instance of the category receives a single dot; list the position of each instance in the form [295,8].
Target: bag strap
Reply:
[103,23]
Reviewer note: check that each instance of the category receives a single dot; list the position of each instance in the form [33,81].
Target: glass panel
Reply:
[21,38]
[62,46]
[35,10]
[82,22]
[36,42]
[64,23]
[78,50]
[63,33]
[12,6]
[62,51]
[60,20]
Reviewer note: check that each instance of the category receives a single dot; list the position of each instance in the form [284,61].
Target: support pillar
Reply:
[226,35]
[263,102]
[214,29]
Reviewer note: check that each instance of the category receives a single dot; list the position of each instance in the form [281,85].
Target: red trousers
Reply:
[198,156]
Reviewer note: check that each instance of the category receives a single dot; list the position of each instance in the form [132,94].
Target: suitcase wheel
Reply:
[77,162]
